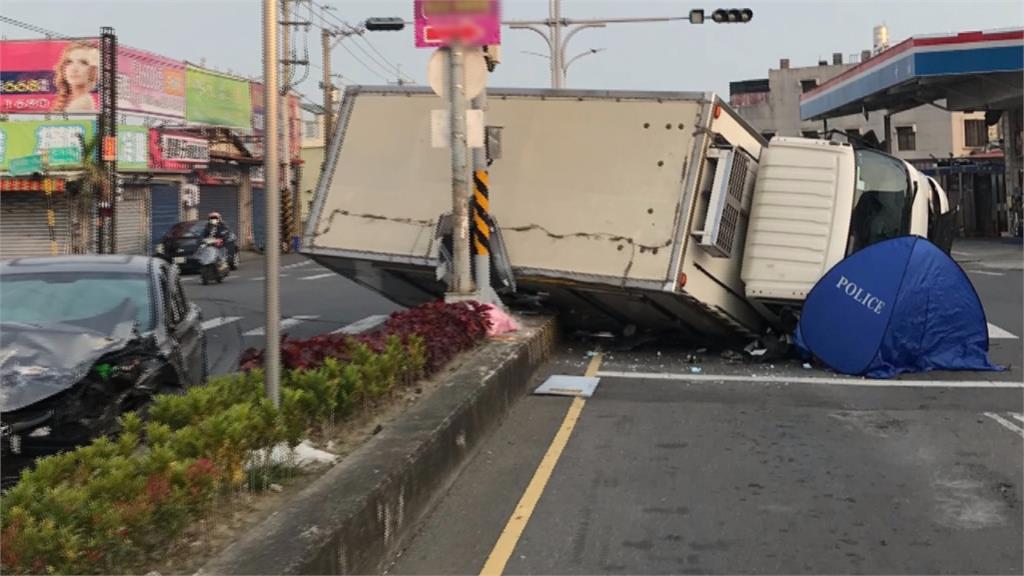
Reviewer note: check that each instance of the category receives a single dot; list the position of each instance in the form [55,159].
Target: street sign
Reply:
[440,129]
[109,148]
[64,156]
[475,68]
[25,165]
[441,23]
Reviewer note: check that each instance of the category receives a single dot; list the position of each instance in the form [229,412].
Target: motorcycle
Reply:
[212,265]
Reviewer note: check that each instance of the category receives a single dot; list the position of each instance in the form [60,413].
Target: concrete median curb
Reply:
[361,512]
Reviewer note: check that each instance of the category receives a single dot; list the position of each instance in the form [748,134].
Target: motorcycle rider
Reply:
[217,229]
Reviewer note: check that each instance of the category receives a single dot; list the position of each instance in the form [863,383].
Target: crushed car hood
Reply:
[37,362]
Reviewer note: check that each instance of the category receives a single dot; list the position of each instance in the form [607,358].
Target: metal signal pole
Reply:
[557,44]
[271,100]
[461,281]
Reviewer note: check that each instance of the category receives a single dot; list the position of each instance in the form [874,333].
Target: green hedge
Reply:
[105,507]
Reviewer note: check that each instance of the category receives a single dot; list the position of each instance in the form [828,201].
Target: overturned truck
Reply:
[652,210]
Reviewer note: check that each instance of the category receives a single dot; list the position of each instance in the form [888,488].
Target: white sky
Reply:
[662,56]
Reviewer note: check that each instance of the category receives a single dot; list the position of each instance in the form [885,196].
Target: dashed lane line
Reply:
[219,321]
[285,323]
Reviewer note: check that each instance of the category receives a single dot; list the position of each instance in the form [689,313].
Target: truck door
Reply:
[941,218]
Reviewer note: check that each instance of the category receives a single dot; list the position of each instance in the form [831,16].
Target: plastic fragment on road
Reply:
[304,456]
[696,369]
[898,306]
[732,356]
[562,385]
[501,321]
[807,365]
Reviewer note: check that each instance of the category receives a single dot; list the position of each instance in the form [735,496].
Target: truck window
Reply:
[881,202]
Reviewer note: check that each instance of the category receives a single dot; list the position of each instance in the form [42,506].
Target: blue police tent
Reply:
[897,306]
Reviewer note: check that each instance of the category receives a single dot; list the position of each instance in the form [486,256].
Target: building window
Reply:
[768,135]
[906,138]
[975,133]
[311,128]
[808,85]
[809,134]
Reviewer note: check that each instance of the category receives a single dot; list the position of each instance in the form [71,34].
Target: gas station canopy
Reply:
[972,71]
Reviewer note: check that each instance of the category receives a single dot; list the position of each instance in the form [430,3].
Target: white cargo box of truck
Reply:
[617,208]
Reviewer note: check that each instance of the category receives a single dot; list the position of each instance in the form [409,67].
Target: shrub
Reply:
[104,507]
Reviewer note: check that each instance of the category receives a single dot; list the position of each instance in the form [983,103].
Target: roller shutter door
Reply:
[164,210]
[133,221]
[223,199]
[24,230]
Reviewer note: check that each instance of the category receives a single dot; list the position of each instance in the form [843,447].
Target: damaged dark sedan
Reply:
[84,339]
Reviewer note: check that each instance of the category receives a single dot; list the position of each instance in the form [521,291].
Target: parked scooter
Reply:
[212,265]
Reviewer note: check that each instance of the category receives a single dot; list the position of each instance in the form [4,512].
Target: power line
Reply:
[344,79]
[32,27]
[380,60]
[387,66]
[395,67]
[330,27]
[364,65]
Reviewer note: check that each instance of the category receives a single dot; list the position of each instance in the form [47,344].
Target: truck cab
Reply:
[817,201]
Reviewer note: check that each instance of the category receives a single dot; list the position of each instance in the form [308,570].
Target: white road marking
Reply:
[318,276]
[221,321]
[962,254]
[285,323]
[297,265]
[1006,423]
[811,380]
[360,326]
[995,332]
[1017,416]
[985,273]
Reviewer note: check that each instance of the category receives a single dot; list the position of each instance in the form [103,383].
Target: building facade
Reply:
[919,135]
[962,149]
[189,141]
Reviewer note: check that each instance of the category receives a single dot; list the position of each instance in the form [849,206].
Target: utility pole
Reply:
[461,281]
[272,262]
[325,45]
[107,141]
[286,126]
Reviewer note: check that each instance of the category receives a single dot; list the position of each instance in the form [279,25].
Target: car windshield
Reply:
[882,201]
[42,299]
[191,229]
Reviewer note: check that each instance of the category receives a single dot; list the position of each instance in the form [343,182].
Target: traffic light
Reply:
[732,15]
[386,24]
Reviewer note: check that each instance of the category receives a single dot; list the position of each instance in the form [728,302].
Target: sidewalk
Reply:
[994,253]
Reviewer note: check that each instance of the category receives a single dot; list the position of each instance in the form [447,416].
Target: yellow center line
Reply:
[506,543]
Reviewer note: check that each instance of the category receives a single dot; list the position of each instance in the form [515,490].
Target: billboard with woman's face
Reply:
[49,76]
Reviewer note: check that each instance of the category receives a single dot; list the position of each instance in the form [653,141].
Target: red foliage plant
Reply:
[445,329]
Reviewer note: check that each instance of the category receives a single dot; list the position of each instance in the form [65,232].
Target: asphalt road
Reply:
[314,301]
[761,468]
